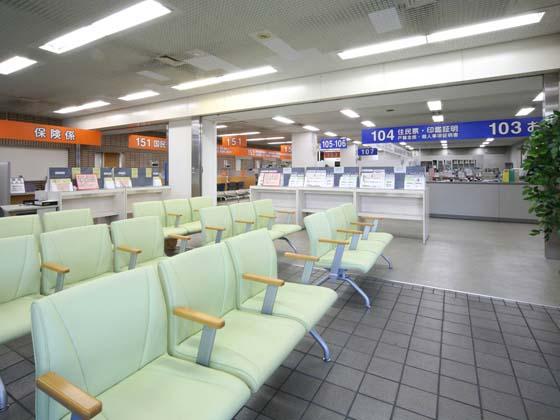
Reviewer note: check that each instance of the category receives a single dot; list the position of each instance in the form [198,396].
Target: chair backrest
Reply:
[252,252]
[21,274]
[317,226]
[201,279]
[149,208]
[180,206]
[242,211]
[337,220]
[65,219]
[198,203]
[145,233]
[20,226]
[86,251]
[98,334]
[263,207]
[350,212]
[215,216]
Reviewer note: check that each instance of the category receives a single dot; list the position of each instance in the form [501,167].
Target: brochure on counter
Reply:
[382,178]
[319,177]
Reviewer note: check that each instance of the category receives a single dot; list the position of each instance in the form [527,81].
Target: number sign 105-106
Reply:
[330,143]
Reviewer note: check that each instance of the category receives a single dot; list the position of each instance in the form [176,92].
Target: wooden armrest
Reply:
[218,228]
[371,218]
[248,222]
[267,216]
[286,211]
[334,241]
[196,210]
[57,268]
[361,224]
[69,395]
[264,279]
[301,256]
[129,249]
[174,214]
[179,237]
[200,317]
[351,231]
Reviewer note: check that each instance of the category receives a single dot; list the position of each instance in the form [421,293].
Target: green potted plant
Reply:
[542,166]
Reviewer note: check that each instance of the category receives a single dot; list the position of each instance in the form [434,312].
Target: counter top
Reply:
[476,183]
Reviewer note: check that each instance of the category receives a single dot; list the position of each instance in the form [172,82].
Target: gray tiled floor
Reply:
[418,353]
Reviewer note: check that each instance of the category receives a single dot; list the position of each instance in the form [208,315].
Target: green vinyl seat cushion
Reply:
[20,226]
[15,317]
[361,261]
[198,203]
[156,208]
[218,216]
[193,227]
[383,237]
[65,219]
[282,229]
[181,206]
[251,346]
[254,253]
[109,338]
[352,216]
[168,231]
[245,212]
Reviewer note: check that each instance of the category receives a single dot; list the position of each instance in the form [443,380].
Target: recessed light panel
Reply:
[382,47]
[219,126]
[247,133]
[434,105]
[437,118]
[244,74]
[16,63]
[330,134]
[350,113]
[139,95]
[310,128]
[368,123]
[524,111]
[76,108]
[283,120]
[539,97]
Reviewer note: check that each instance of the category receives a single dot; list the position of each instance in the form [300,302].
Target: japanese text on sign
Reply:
[16,130]
[136,141]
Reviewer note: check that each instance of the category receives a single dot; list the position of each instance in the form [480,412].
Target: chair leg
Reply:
[3,397]
[388,261]
[322,343]
[289,243]
[357,289]
[323,279]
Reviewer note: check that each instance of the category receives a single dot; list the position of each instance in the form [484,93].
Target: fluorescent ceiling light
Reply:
[266,138]
[16,63]
[330,134]
[76,108]
[397,44]
[402,143]
[221,126]
[238,75]
[539,97]
[284,120]
[368,123]
[490,140]
[139,95]
[437,118]
[127,18]
[524,111]
[357,142]
[247,133]
[434,105]
[482,146]
[310,128]
[350,113]
[279,142]
[485,27]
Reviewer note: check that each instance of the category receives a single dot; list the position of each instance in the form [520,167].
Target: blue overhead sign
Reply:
[367,151]
[519,127]
[330,143]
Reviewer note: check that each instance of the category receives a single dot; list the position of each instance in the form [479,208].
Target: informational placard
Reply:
[348,178]
[319,177]
[415,178]
[60,184]
[297,177]
[123,182]
[17,185]
[43,133]
[109,183]
[106,178]
[138,141]
[333,143]
[379,178]
[506,128]
[368,152]
[87,182]
[271,177]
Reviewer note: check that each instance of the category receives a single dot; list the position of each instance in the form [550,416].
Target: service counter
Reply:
[479,201]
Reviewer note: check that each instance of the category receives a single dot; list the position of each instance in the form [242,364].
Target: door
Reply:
[111,160]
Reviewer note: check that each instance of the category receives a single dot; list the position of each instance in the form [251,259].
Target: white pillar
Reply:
[237,164]
[209,161]
[180,158]
[304,150]
[349,156]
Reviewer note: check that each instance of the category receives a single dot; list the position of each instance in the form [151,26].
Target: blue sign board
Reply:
[336,143]
[519,127]
[367,151]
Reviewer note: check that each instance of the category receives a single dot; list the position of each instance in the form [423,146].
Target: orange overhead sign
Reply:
[137,141]
[286,148]
[43,133]
[234,141]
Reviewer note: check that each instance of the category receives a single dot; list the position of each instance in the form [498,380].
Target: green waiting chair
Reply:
[244,217]
[101,349]
[19,288]
[198,203]
[216,224]
[251,346]
[334,253]
[253,253]
[179,215]
[156,208]
[369,228]
[56,220]
[266,216]
[20,226]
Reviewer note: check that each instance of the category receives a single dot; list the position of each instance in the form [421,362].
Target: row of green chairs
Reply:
[193,342]
[178,216]
[223,222]
[343,243]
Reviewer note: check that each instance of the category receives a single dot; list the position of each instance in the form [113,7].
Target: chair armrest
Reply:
[350,231]
[129,249]
[333,241]
[286,211]
[217,228]
[268,216]
[301,257]
[247,222]
[175,214]
[179,237]
[69,395]
[57,268]
[371,218]
[271,281]
[200,317]
[361,224]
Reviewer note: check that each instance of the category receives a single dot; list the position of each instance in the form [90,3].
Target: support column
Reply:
[349,156]
[551,93]
[209,159]
[180,158]
[304,150]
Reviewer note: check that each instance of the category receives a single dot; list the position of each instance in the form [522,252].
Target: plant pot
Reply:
[552,246]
